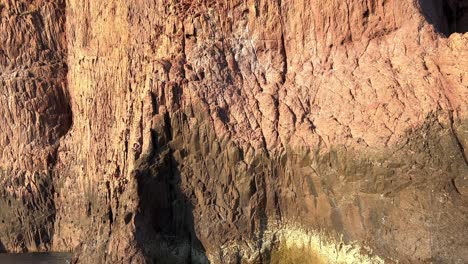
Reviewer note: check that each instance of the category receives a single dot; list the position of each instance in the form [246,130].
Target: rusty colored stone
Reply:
[212,131]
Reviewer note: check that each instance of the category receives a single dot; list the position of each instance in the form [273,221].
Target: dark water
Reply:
[35,258]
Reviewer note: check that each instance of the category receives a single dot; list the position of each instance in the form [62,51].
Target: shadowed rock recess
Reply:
[255,131]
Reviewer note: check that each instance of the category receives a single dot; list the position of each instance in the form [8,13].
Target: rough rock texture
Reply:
[210,130]
[35,114]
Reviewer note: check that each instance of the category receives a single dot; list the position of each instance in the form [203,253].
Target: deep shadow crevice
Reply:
[2,247]
[447,16]
[164,223]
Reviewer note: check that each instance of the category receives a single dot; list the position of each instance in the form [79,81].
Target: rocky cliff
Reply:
[256,131]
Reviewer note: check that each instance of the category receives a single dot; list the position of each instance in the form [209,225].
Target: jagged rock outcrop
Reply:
[236,131]
[34,115]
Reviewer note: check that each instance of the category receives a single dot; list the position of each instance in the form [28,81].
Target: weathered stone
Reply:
[235,131]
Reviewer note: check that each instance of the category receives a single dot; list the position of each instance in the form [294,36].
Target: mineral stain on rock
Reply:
[235,131]
[284,255]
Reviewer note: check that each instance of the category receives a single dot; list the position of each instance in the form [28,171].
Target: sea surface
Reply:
[35,258]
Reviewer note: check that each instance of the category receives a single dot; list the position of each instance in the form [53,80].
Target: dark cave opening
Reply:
[447,16]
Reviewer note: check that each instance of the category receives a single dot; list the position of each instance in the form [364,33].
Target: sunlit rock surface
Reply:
[254,131]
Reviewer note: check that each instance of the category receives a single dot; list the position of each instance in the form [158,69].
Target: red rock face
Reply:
[199,131]
[34,104]
[35,114]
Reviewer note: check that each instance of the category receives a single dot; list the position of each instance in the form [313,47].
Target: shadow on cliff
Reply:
[447,17]
[2,248]
[165,224]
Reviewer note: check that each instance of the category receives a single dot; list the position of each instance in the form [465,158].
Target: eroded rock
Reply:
[210,131]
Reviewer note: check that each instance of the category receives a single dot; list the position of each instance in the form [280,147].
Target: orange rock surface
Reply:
[194,131]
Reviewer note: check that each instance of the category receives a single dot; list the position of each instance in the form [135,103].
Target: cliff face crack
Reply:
[283,45]
[457,139]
